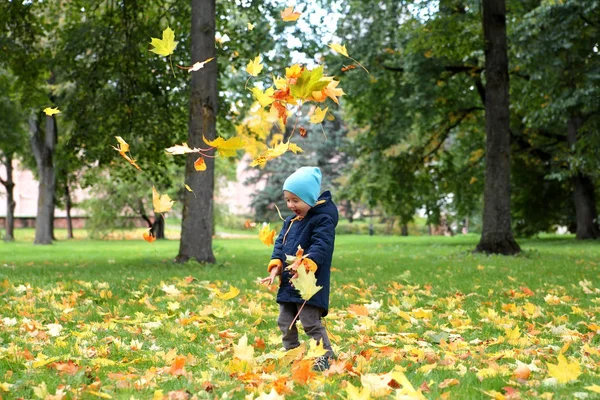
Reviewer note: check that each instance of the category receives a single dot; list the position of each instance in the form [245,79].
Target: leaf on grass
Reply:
[315,349]
[243,351]
[302,371]
[51,111]
[254,66]
[178,366]
[233,292]
[319,115]
[289,15]
[564,371]
[357,393]
[166,45]
[267,235]
[161,203]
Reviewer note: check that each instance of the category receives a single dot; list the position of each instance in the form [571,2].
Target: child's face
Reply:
[294,203]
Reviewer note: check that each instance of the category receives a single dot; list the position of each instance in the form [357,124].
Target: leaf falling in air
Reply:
[250,26]
[226,148]
[165,46]
[267,235]
[341,49]
[123,149]
[149,237]
[254,66]
[161,203]
[196,66]
[289,15]
[199,164]
[51,111]
[319,115]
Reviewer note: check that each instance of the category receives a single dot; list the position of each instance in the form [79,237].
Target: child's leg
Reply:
[289,337]
[311,322]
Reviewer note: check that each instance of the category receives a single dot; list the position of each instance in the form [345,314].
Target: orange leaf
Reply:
[289,15]
[302,371]
[69,368]
[267,235]
[177,368]
[124,148]
[199,164]
[149,237]
[359,310]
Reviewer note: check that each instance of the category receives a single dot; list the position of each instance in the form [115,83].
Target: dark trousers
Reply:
[310,317]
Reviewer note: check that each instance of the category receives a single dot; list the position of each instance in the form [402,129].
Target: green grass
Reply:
[431,303]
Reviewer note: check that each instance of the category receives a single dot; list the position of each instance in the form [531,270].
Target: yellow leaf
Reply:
[264,98]
[158,395]
[254,66]
[355,394]
[41,391]
[189,189]
[161,203]
[319,115]
[166,45]
[290,15]
[243,351]
[267,235]
[306,283]
[226,148]
[316,349]
[51,111]
[293,147]
[250,26]
[42,360]
[293,72]
[102,362]
[564,371]
[5,386]
[124,148]
[338,48]
[99,394]
[273,395]
[233,291]
[594,388]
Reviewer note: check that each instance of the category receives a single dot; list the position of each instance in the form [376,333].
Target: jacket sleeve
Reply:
[278,253]
[323,238]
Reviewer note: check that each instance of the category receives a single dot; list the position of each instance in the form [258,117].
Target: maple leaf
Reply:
[267,235]
[264,98]
[354,393]
[51,111]
[294,148]
[338,48]
[243,351]
[331,91]
[124,148]
[250,26]
[306,283]
[564,371]
[180,149]
[273,395]
[232,293]
[161,203]
[178,366]
[197,66]
[308,82]
[148,237]
[293,72]
[316,349]
[302,371]
[226,148]
[254,66]
[199,164]
[165,46]
[319,115]
[289,15]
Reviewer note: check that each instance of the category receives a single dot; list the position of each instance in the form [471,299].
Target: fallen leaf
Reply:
[564,371]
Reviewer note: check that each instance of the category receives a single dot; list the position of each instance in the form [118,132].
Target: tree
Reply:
[12,136]
[497,234]
[197,222]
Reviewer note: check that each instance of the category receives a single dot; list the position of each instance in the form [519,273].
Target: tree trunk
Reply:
[158,227]
[583,192]
[9,185]
[348,211]
[43,150]
[68,206]
[197,223]
[497,236]
[404,230]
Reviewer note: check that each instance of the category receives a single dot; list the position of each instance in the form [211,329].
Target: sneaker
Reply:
[321,364]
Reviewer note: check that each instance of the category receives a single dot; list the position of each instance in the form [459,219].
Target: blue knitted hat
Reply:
[305,183]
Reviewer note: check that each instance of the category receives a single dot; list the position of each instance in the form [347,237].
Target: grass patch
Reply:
[111,317]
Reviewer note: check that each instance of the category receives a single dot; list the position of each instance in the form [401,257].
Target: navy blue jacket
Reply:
[316,234]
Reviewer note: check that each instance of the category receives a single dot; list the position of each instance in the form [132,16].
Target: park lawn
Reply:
[118,319]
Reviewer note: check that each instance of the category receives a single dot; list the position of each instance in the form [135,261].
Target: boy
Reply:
[313,228]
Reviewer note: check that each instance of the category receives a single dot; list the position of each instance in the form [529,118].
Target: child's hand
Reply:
[271,278]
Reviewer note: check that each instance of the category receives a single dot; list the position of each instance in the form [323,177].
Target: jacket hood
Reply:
[324,205]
